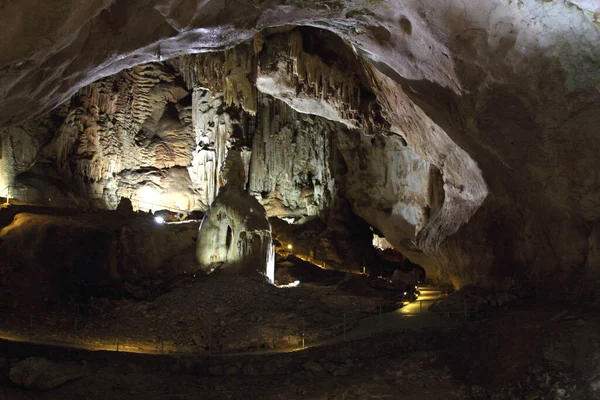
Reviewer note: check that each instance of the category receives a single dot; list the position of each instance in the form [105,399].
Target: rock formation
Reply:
[59,255]
[235,236]
[464,133]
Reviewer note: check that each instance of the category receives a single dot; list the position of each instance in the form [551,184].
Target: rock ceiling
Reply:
[464,131]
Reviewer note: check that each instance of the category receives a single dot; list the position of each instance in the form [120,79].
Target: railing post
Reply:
[75,328]
[209,340]
[303,333]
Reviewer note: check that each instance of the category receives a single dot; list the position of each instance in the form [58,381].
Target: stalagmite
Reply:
[235,235]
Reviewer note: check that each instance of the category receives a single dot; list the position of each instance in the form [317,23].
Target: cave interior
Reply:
[364,198]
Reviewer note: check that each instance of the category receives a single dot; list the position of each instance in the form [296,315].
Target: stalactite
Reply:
[291,159]
[328,83]
[98,95]
[327,80]
[230,72]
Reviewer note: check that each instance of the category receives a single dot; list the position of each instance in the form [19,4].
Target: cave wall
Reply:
[395,198]
[141,134]
[298,165]
[128,135]
[500,97]
[65,254]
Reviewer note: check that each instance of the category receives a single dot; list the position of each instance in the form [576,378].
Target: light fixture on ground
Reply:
[290,247]
[290,285]
[159,220]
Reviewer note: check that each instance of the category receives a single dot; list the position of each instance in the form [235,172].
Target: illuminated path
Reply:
[414,315]
[428,295]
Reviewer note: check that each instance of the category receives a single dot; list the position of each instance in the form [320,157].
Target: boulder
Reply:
[38,373]
[313,366]
[125,206]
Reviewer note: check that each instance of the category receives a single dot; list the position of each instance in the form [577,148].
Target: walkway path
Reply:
[414,315]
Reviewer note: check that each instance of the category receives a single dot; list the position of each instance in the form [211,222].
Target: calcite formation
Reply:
[213,130]
[231,72]
[235,236]
[290,167]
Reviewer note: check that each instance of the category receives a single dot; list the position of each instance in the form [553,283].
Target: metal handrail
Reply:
[5,188]
[95,196]
[7,196]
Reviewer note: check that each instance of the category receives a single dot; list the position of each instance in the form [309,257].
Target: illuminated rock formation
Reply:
[235,236]
[290,168]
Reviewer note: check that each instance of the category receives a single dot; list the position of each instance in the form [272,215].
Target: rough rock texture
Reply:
[290,168]
[76,255]
[500,99]
[128,136]
[235,235]
[395,199]
[41,374]
[213,130]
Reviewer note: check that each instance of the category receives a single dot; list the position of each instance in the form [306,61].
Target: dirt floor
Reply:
[530,351]
[227,313]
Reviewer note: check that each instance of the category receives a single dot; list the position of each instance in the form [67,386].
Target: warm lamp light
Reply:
[289,246]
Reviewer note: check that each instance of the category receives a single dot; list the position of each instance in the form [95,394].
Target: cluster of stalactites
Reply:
[231,72]
[95,96]
[291,159]
[135,101]
[326,82]
[95,141]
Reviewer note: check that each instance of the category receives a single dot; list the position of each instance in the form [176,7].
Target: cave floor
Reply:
[224,312]
[529,351]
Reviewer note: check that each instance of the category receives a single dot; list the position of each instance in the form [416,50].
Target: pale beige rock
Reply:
[235,236]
